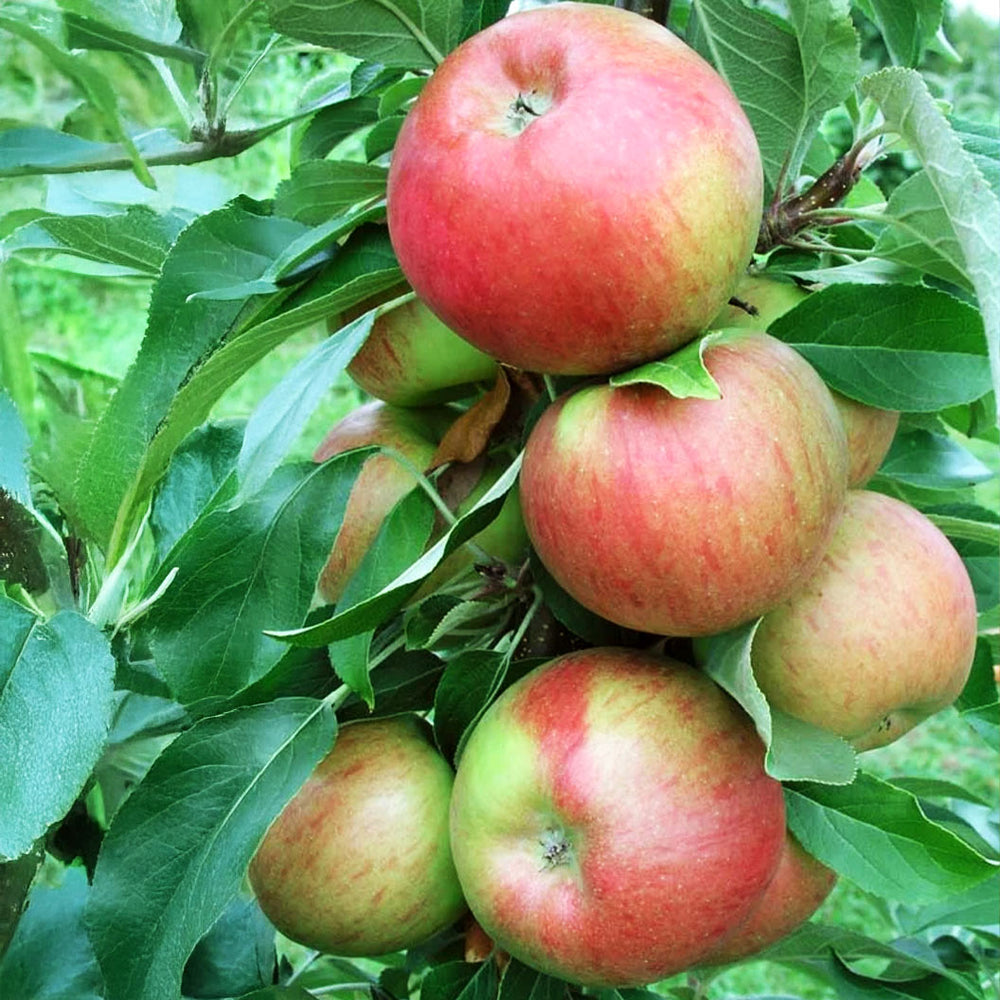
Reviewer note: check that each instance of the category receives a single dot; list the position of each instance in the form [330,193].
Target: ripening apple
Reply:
[412,359]
[359,861]
[688,516]
[611,819]
[793,895]
[870,430]
[575,190]
[381,484]
[881,636]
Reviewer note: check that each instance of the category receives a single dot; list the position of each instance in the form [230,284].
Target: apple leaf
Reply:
[460,981]
[56,699]
[898,347]
[786,74]
[405,682]
[241,569]
[293,992]
[683,374]
[971,209]
[520,982]
[153,20]
[319,190]
[370,613]
[978,702]
[279,418]
[178,849]
[411,34]
[14,454]
[401,539]
[471,681]
[933,461]
[133,243]
[796,750]
[568,611]
[329,127]
[50,956]
[975,907]
[877,835]
[906,28]
[198,470]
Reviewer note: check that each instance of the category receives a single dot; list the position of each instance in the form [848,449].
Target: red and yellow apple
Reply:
[611,820]
[359,861]
[575,190]
[688,516]
[881,636]
[793,895]
[870,430]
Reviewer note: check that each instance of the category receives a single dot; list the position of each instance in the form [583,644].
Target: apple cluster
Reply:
[574,193]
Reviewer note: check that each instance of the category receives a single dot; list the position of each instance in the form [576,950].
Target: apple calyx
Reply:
[557,850]
[525,108]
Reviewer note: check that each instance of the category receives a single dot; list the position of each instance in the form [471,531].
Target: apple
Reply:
[575,190]
[611,819]
[688,516]
[412,359]
[881,636]
[870,430]
[793,895]
[381,484]
[359,862]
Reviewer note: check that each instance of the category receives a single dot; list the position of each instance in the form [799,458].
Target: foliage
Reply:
[167,678]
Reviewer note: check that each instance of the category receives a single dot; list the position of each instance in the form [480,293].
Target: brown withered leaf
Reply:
[469,435]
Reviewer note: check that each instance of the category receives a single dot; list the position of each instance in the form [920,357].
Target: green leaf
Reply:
[89,33]
[237,955]
[933,461]
[50,956]
[330,126]
[279,418]
[568,611]
[198,469]
[972,209]
[877,836]
[152,20]
[56,698]
[975,907]
[411,34]
[796,750]
[787,75]
[978,703]
[370,613]
[683,374]
[893,346]
[14,454]
[21,560]
[982,143]
[907,28]
[134,243]
[241,569]
[401,539]
[118,471]
[318,190]
[470,683]
[397,95]
[94,84]
[405,682]
[179,847]
[382,138]
[480,14]
[460,981]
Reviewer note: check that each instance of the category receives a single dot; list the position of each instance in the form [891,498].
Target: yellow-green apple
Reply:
[611,819]
[382,482]
[881,636]
[799,886]
[412,359]
[359,861]
[575,190]
[688,516]
[870,429]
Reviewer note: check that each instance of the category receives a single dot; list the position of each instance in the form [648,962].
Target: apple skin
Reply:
[688,516]
[359,861]
[381,484]
[870,430]
[412,359]
[881,636]
[793,895]
[575,190]
[611,820]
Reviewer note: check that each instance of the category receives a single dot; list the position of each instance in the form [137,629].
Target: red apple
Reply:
[382,483]
[870,430]
[688,516]
[799,886]
[359,862]
[883,633]
[412,359]
[611,820]
[575,190]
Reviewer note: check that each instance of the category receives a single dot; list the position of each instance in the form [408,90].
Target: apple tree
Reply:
[190,610]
